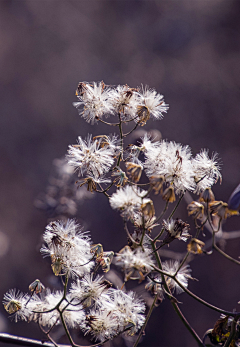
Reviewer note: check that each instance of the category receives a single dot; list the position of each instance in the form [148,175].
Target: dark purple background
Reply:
[188,50]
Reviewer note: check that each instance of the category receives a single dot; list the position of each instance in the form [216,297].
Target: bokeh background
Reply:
[189,50]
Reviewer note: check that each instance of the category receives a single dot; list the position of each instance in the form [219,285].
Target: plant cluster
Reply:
[106,164]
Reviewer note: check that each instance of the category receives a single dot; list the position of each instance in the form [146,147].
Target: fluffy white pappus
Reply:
[41,306]
[149,145]
[15,303]
[87,291]
[65,233]
[68,247]
[127,199]
[94,102]
[73,316]
[124,101]
[101,324]
[154,102]
[177,229]
[91,157]
[173,161]
[127,307]
[206,170]
[183,275]
[135,263]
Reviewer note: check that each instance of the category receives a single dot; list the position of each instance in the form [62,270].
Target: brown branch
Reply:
[23,341]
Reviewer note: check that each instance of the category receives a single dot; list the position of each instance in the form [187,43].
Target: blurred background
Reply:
[189,51]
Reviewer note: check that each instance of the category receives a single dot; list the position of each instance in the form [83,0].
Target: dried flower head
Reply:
[176,229]
[196,210]
[128,200]
[206,170]
[220,209]
[68,247]
[150,104]
[90,157]
[36,286]
[134,170]
[94,100]
[136,264]
[195,246]
[182,276]
[15,303]
[207,195]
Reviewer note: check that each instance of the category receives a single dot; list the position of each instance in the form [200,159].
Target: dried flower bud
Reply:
[220,209]
[176,229]
[157,183]
[36,286]
[155,287]
[143,114]
[134,170]
[169,195]
[13,306]
[97,250]
[148,209]
[207,195]
[105,260]
[121,178]
[81,89]
[91,184]
[57,265]
[196,210]
[195,246]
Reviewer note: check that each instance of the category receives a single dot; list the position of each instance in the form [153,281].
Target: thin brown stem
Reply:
[129,235]
[225,254]
[22,341]
[124,135]
[102,121]
[146,321]
[182,263]
[175,208]
[66,330]
[175,306]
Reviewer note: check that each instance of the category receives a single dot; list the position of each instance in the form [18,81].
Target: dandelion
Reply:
[101,324]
